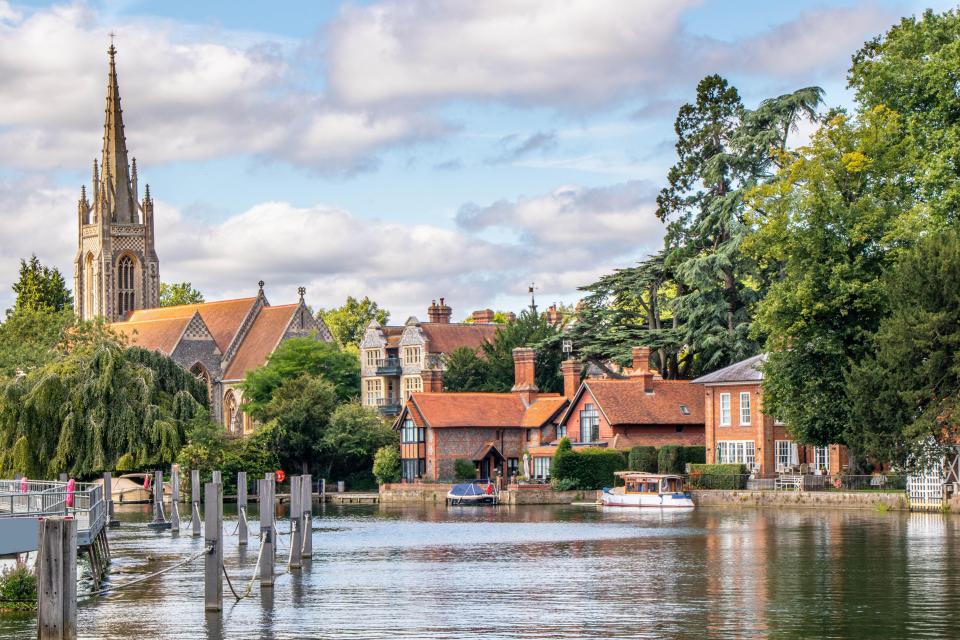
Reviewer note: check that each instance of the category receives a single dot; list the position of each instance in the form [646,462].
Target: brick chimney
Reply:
[432,380]
[641,367]
[439,313]
[554,316]
[524,374]
[483,316]
[571,370]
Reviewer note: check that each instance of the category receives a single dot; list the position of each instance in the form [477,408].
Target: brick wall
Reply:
[445,445]
[658,435]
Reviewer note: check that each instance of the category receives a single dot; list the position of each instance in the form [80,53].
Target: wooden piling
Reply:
[108,496]
[306,507]
[213,538]
[267,533]
[175,498]
[296,517]
[159,521]
[195,503]
[218,477]
[57,578]
[242,508]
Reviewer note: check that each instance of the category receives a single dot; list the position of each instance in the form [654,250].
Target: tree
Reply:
[348,322]
[30,338]
[354,435]
[41,288]
[178,293]
[296,357]
[907,389]
[300,408]
[386,465]
[465,370]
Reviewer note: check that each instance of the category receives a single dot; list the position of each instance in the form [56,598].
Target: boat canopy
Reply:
[469,489]
[643,475]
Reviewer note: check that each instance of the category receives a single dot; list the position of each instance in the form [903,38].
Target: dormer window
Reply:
[684,410]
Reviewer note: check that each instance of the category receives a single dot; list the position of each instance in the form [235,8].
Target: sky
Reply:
[400,149]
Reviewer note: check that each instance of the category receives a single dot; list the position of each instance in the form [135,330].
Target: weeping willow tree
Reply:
[81,412]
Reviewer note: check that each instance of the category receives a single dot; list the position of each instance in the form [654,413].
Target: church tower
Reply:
[116,269]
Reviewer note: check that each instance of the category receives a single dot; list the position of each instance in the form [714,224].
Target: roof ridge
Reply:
[200,304]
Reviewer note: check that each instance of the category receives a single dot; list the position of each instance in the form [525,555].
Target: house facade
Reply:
[393,358]
[738,430]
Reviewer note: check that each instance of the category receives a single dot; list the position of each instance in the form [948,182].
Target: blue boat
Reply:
[476,492]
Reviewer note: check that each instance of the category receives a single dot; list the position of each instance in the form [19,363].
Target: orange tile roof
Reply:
[223,318]
[445,338]
[261,340]
[544,408]
[624,402]
[447,409]
[156,335]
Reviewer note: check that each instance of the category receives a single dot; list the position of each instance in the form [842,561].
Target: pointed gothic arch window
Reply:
[232,418]
[126,286]
[200,372]
[88,287]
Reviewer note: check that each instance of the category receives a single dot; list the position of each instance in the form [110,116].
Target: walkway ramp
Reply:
[23,504]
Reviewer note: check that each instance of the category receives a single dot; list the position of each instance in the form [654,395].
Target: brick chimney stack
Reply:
[432,380]
[641,367]
[554,316]
[571,370]
[439,313]
[483,316]
[524,374]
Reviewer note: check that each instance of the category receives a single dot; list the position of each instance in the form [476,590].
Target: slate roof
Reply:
[496,410]
[749,370]
[223,318]
[624,402]
[260,341]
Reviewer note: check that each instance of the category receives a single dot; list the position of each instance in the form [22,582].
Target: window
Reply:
[513,466]
[411,384]
[541,468]
[745,408]
[821,458]
[736,452]
[125,286]
[529,435]
[684,410]
[412,355]
[724,409]
[561,431]
[371,356]
[589,424]
[410,433]
[786,453]
[412,468]
[374,391]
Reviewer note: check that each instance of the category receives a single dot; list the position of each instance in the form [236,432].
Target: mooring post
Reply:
[63,477]
[108,496]
[159,521]
[306,508]
[213,541]
[175,497]
[195,503]
[57,578]
[242,508]
[296,516]
[218,477]
[266,533]
[323,490]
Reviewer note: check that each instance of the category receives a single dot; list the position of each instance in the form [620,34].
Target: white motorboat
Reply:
[647,490]
[135,488]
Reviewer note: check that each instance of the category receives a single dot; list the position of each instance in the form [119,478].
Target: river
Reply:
[552,572]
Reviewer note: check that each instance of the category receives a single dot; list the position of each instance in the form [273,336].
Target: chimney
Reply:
[554,316]
[641,367]
[483,316]
[511,317]
[432,380]
[524,377]
[439,313]
[571,370]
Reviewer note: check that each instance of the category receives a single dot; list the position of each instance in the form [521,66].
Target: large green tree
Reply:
[353,437]
[178,293]
[41,288]
[299,412]
[348,321]
[30,338]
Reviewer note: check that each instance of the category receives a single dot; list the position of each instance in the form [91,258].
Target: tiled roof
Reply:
[624,402]
[156,335]
[544,408]
[261,340]
[749,370]
[483,409]
[223,318]
[445,338]
[484,450]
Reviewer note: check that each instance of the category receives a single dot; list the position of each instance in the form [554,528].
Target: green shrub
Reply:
[590,468]
[718,476]
[361,480]
[125,463]
[464,469]
[642,458]
[386,465]
[18,588]
[670,459]
[695,455]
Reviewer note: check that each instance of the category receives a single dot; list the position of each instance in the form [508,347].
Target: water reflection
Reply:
[552,572]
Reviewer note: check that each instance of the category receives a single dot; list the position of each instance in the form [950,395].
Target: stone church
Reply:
[117,277]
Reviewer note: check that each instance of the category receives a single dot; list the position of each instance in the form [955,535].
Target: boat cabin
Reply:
[650,483]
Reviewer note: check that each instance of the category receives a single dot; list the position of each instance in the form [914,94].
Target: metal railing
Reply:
[38,498]
[798,482]
[385,363]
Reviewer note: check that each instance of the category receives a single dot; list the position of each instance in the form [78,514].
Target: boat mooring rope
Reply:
[118,587]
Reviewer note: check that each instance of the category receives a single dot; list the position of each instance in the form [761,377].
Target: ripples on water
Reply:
[554,572]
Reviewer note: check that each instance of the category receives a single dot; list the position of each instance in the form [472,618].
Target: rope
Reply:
[118,587]
[230,583]
[293,527]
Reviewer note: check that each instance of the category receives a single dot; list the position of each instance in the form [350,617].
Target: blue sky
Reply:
[402,150]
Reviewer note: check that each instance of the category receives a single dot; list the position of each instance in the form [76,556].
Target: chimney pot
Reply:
[571,370]
[641,367]
[432,380]
[524,370]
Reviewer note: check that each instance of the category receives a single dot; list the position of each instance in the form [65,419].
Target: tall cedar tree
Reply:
[41,288]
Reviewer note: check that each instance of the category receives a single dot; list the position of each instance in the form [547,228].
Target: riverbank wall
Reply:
[437,493]
[876,500]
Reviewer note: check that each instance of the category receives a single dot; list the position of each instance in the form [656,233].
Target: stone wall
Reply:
[815,499]
[437,493]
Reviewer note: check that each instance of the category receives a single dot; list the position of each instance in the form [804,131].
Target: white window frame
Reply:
[737,452]
[541,467]
[725,410]
[821,458]
[745,409]
[411,384]
[786,454]
[373,391]
[413,355]
[370,357]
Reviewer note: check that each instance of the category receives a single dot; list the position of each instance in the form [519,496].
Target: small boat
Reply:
[647,490]
[135,488]
[476,492]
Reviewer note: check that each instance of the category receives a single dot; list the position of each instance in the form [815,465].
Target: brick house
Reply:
[393,357]
[738,431]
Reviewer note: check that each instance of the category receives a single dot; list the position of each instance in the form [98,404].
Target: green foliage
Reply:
[464,469]
[718,476]
[301,408]
[670,459]
[642,458]
[18,588]
[348,322]
[178,293]
[256,454]
[491,369]
[587,468]
[354,435]
[41,288]
[30,338]
[695,454]
[386,465]
[296,357]
[563,446]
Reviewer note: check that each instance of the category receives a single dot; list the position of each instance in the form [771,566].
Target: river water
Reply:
[552,572]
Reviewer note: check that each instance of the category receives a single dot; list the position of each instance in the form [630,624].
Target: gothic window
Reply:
[200,372]
[125,286]
[88,287]
[232,418]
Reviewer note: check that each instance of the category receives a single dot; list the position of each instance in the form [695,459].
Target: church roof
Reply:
[223,318]
[156,335]
[261,340]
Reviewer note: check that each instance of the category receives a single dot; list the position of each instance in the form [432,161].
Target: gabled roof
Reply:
[223,318]
[745,371]
[624,402]
[543,410]
[156,335]
[497,410]
[260,341]
[446,338]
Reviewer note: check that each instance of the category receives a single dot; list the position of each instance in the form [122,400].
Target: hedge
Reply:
[718,476]
[670,459]
[464,469]
[695,455]
[591,468]
[642,458]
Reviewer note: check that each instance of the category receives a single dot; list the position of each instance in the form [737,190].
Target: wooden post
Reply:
[195,503]
[217,477]
[159,521]
[242,507]
[296,516]
[175,498]
[108,496]
[306,507]
[213,537]
[57,578]
[266,533]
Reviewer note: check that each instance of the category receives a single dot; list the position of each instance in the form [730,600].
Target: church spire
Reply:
[115,171]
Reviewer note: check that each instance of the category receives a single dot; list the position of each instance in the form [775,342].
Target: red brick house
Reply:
[738,431]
